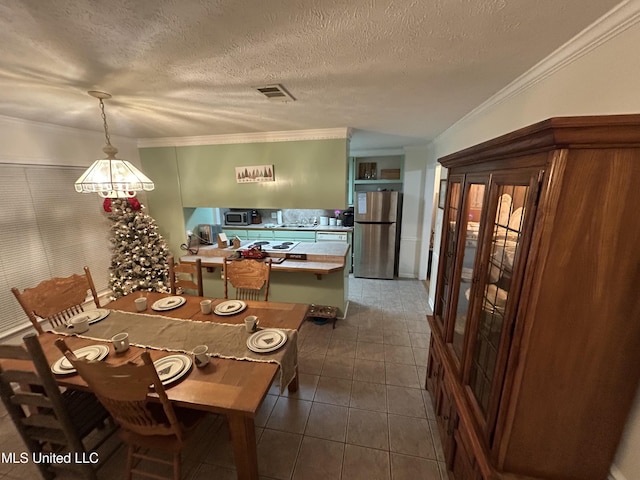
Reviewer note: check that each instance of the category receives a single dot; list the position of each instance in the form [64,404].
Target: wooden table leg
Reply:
[243,440]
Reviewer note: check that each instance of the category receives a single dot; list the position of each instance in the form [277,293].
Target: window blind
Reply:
[47,230]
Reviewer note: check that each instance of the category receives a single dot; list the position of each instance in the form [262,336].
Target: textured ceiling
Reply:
[397,72]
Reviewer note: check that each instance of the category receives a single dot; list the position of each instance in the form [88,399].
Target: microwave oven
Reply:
[237,217]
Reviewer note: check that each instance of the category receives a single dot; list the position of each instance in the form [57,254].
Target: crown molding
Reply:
[62,129]
[610,25]
[257,137]
[377,152]
[48,126]
[33,161]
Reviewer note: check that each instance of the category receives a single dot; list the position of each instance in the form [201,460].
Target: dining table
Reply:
[231,387]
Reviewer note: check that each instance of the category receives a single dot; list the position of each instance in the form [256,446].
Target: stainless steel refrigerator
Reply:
[375,234]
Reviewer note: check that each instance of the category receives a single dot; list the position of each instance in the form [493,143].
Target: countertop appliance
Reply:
[337,237]
[208,234]
[376,232]
[347,217]
[237,217]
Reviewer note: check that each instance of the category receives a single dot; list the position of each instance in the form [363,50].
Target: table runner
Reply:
[183,335]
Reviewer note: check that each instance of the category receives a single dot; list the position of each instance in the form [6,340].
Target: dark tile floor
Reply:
[361,411]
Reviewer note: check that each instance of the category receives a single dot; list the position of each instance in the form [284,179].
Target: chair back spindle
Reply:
[249,278]
[185,276]
[123,390]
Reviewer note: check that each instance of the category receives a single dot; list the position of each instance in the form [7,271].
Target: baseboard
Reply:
[407,275]
[346,311]
[615,474]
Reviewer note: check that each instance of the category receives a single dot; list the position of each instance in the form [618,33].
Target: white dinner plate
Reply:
[467,275]
[495,299]
[94,316]
[516,219]
[496,295]
[504,209]
[267,340]
[168,303]
[62,366]
[230,307]
[172,367]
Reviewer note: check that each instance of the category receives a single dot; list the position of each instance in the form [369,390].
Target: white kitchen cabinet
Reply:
[332,237]
[232,233]
[259,235]
[295,235]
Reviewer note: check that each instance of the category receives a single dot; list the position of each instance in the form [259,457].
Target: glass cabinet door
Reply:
[469,241]
[451,218]
[513,201]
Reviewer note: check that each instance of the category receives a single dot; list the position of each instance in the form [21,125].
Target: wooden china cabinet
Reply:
[535,347]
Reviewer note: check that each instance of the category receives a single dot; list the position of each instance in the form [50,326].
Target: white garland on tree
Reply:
[139,258]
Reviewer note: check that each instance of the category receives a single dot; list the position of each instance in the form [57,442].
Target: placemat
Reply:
[180,335]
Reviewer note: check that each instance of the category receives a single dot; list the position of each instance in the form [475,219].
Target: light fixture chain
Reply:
[104,120]
[110,177]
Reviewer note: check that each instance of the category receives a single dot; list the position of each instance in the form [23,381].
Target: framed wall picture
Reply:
[255,173]
[442,195]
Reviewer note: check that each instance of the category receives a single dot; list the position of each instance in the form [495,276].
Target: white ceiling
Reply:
[397,72]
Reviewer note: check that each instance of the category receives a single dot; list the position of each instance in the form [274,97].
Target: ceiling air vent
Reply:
[276,93]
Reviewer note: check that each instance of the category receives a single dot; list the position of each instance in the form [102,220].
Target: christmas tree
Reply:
[139,259]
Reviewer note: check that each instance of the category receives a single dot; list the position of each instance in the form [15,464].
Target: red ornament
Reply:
[107,205]
[134,203]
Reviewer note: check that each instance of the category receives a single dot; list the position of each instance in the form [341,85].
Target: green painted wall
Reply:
[332,289]
[164,203]
[308,174]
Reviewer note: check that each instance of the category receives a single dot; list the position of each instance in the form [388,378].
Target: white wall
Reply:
[30,143]
[597,73]
[413,211]
[46,144]
[438,217]
[420,188]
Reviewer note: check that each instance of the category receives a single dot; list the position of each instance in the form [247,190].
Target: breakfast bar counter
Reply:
[320,278]
[321,258]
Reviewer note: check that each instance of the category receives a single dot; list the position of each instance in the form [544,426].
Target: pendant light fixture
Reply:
[111,177]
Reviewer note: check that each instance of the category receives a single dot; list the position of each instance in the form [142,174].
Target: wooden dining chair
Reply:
[47,419]
[123,390]
[185,276]
[57,299]
[249,278]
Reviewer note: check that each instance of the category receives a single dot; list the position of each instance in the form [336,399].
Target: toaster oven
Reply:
[208,234]
[237,217]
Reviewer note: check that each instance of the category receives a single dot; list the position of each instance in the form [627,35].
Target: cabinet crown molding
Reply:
[592,131]
[257,137]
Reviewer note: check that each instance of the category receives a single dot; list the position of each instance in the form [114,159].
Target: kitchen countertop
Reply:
[290,227]
[322,258]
